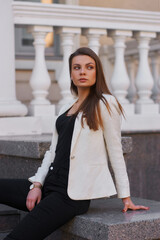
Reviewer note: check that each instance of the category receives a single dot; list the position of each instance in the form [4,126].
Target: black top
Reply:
[57,177]
[65,126]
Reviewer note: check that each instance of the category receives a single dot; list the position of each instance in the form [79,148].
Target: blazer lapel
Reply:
[76,131]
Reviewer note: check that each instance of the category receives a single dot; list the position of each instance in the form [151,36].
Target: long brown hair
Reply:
[90,106]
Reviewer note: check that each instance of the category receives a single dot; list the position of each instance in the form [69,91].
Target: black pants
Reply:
[54,210]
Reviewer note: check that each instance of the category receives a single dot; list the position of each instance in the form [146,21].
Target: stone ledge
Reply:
[9,218]
[105,221]
[25,146]
[3,235]
[20,156]
[36,146]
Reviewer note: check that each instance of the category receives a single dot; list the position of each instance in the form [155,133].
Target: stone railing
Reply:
[70,21]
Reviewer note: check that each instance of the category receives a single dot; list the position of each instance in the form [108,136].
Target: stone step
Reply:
[9,218]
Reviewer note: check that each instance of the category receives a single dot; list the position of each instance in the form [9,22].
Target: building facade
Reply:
[37,38]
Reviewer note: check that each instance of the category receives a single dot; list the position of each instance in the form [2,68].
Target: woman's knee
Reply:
[14,192]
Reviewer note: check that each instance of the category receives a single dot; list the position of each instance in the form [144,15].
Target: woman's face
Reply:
[83,71]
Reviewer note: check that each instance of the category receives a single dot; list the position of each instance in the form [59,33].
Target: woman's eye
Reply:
[76,68]
[90,67]
[87,67]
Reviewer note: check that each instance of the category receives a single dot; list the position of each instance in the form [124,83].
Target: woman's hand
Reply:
[128,204]
[33,197]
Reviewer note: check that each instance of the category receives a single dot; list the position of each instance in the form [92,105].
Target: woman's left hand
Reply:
[128,204]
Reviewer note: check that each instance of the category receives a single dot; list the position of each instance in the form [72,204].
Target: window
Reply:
[24,42]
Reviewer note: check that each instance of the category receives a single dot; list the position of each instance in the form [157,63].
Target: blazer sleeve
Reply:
[49,155]
[112,136]
[48,158]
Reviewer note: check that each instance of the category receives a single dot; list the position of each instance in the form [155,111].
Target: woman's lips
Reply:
[82,79]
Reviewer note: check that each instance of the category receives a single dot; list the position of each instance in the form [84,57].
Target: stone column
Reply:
[93,35]
[67,42]
[9,106]
[40,79]
[144,80]
[120,80]
[155,66]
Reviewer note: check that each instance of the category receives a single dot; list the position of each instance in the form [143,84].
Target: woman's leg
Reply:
[14,192]
[52,212]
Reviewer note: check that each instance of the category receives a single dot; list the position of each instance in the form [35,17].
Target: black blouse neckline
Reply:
[70,115]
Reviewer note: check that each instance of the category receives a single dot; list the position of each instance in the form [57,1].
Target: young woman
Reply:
[75,170]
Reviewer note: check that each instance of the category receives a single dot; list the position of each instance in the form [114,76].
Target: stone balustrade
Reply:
[135,92]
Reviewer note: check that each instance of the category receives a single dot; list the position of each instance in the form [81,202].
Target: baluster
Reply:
[9,106]
[158,35]
[40,79]
[132,92]
[159,82]
[67,42]
[93,35]
[106,63]
[144,80]
[120,80]
[155,66]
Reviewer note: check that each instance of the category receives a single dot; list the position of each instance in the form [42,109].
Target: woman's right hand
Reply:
[33,197]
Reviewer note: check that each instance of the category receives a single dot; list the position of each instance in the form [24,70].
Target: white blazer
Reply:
[89,175]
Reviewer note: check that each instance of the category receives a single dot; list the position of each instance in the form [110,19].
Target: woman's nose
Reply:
[82,71]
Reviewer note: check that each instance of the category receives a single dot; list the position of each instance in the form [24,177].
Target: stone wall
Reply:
[143,165]
[145,5]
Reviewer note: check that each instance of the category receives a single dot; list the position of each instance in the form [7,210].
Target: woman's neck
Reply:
[82,94]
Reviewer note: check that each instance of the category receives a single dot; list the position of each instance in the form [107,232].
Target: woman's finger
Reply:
[141,207]
[39,199]
[135,207]
[125,207]
[30,204]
